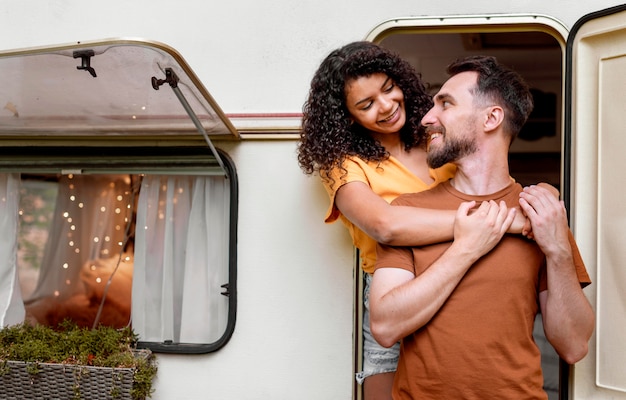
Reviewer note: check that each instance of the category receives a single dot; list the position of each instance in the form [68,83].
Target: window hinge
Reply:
[227,292]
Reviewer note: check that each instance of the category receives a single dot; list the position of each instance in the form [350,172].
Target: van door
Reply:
[594,190]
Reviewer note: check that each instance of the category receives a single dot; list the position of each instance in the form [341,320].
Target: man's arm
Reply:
[401,303]
[568,318]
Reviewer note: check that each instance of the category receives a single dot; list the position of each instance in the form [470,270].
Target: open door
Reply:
[534,47]
[594,165]
[582,88]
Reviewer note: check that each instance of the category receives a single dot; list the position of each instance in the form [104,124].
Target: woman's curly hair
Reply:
[328,134]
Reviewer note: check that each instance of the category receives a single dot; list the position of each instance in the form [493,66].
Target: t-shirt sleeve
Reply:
[350,171]
[394,257]
[581,270]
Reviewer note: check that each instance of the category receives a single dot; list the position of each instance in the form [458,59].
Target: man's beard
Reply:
[452,150]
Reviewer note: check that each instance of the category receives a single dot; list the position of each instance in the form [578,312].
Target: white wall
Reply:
[293,336]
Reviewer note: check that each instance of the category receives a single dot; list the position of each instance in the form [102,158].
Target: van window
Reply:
[152,247]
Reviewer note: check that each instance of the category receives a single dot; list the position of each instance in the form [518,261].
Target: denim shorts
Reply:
[376,358]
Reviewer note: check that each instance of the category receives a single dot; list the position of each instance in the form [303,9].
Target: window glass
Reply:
[89,243]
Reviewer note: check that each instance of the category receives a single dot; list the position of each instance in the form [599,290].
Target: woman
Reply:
[361,132]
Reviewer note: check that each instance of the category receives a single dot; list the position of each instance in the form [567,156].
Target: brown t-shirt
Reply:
[480,343]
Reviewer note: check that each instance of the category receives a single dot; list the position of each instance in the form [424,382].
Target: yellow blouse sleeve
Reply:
[349,171]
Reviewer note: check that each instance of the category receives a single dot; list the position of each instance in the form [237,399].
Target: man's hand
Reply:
[482,228]
[521,224]
[547,216]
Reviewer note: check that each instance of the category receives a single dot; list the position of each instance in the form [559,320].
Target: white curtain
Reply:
[89,222]
[181,259]
[11,306]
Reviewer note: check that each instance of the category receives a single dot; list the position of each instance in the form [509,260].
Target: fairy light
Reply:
[74,238]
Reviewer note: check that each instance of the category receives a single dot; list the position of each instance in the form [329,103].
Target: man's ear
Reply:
[494,118]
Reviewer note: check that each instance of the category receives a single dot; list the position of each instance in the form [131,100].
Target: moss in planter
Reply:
[72,345]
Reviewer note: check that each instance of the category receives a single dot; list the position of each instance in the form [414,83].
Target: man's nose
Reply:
[429,118]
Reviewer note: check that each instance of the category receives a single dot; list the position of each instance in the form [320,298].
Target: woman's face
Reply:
[376,103]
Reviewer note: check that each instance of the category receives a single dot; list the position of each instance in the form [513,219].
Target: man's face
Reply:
[451,124]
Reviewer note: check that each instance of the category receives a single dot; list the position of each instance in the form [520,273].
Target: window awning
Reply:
[111,88]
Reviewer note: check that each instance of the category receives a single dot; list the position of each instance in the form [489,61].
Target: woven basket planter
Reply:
[44,381]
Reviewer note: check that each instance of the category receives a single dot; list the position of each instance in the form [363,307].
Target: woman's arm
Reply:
[396,225]
[400,225]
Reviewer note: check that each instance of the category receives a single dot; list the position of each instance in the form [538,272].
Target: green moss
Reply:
[70,344]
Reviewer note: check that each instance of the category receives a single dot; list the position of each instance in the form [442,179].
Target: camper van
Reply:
[148,176]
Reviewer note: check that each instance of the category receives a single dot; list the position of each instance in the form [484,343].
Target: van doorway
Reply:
[536,52]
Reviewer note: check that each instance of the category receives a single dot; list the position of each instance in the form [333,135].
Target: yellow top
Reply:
[388,179]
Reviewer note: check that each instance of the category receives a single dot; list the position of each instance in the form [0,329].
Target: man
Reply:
[463,311]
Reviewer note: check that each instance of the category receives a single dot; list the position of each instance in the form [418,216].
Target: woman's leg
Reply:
[378,386]
[379,363]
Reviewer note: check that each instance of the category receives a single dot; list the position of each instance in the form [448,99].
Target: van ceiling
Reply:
[535,55]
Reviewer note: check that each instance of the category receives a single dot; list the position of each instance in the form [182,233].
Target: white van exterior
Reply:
[297,281]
